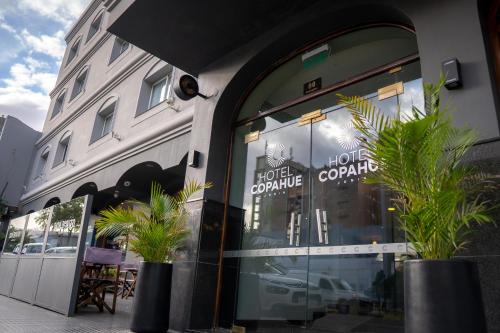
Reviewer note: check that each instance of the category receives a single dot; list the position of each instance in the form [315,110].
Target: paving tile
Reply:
[20,317]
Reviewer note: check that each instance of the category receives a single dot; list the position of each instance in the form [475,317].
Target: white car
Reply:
[61,249]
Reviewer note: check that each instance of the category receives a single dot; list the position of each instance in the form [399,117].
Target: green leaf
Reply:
[156,230]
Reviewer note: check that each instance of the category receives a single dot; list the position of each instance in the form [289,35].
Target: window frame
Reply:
[44,156]
[73,51]
[91,33]
[104,117]
[118,49]
[58,105]
[107,120]
[84,73]
[165,79]
[62,149]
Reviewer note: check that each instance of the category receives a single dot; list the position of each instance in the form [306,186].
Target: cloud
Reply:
[31,107]
[53,46]
[7,27]
[25,92]
[33,45]
[62,11]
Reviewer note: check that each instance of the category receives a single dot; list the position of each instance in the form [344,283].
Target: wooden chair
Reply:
[94,281]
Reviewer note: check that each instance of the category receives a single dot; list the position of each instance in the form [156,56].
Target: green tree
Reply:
[155,229]
[420,158]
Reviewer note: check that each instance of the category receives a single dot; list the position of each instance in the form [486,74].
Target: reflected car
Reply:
[32,248]
[17,249]
[284,294]
[338,294]
[61,249]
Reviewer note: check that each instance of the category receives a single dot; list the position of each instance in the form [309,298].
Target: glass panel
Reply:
[65,227]
[346,211]
[409,75]
[14,236]
[106,128]
[358,293]
[273,192]
[334,61]
[34,235]
[158,93]
[356,248]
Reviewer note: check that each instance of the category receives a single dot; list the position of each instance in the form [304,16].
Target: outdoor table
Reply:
[128,283]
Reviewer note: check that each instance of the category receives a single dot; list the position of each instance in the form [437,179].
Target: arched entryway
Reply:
[53,201]
[312,245]
[133,184]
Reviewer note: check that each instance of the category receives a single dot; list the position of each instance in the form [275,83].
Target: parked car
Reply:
[32,248]
[61,249]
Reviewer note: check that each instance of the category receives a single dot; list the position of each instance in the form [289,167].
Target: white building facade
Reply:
[112,109]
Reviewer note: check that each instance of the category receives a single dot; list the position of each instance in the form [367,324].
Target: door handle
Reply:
[294,229]
[322,224]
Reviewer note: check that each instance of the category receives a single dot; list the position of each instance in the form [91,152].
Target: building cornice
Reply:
[79,64]
[99,93]
[178,126]
[81,20]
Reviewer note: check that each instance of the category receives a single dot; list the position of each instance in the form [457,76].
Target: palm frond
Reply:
[156,229]
[421,160]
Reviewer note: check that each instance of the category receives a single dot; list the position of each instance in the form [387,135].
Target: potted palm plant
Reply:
[420,159]
[156,230]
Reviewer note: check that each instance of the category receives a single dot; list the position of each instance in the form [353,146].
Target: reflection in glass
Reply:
[273,289]
[358,293]
[14,236]
[289,276]
[65,227]
[35,232]
[348,56]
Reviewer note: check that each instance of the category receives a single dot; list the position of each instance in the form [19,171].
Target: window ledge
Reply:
[52,118]
[162,106]
[119,59]
[74,99]
[59,165]
[100,141]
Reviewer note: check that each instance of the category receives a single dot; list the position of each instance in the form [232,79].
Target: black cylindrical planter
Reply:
[151,309]
[443,296]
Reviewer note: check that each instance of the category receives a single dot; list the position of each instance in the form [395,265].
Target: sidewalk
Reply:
[20,317]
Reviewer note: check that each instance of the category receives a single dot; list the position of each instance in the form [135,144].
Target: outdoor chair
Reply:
[100,272]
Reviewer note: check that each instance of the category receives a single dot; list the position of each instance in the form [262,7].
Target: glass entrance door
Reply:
[355,249]
[273,258]
[317,249]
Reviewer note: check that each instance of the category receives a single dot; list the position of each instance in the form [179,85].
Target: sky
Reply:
[31,48]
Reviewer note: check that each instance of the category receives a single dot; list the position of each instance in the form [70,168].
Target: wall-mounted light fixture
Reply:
[194,158]
[187,88]
[116,136]
[451,70]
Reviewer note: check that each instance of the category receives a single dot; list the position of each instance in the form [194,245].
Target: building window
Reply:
[119,47]
[62,149]
[79,84]
[58,105]
[44,156]
[104,121]
[155,88]
[158,92]
[73,52]
[94,27]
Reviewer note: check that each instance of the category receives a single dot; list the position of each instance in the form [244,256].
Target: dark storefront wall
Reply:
[242,51]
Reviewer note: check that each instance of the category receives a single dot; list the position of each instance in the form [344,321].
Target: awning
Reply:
[190,35]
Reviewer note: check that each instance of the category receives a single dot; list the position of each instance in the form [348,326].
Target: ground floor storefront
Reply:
[290,238]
